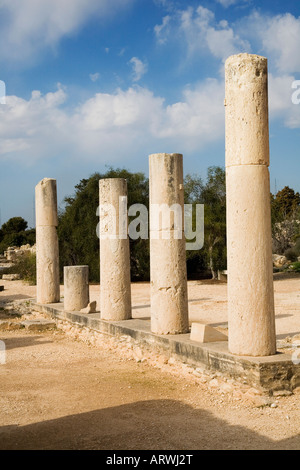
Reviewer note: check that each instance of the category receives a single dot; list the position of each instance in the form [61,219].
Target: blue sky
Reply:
[92,83]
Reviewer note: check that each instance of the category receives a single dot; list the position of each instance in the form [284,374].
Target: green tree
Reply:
[214,198]
[78,220]
[212,194]
[14,233]
[284,204]
[14,225]
[285,210]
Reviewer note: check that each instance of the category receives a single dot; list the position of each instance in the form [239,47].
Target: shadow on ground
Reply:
[23,341]
[144,425]
[11,298]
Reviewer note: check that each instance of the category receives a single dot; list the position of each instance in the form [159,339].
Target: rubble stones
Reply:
[11,277]
[279,261]
[10,325]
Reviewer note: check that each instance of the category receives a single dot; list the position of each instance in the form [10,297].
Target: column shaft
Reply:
[47,256]
[251,314]
[115,285]
[169,300]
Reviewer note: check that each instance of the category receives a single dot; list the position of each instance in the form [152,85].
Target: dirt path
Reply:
[59,392]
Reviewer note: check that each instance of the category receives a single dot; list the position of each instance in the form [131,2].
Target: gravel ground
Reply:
[67,389]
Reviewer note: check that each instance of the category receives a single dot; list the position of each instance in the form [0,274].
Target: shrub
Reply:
[291,254]
[25,266]
[295,267]
[297,247]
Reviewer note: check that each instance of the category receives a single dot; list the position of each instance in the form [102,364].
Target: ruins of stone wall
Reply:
[12,253]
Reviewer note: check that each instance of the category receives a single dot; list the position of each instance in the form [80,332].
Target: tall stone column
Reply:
[169,299]
[47,259]
[251,314]
[115,285]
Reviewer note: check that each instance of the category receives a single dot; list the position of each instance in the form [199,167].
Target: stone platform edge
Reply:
[270,373]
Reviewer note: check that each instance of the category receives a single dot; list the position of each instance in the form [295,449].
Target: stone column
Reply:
[251,314]
[169,299]
[115,286]
[47,260]
[76,287]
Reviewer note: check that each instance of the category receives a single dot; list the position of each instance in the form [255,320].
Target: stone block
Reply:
[222,276]
[206,334]
[5,269]
[91,308]
[11,277]
[39,324]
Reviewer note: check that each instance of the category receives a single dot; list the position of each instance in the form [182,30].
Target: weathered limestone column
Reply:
[115,286]
[76,287]
[249,242]
[169,299]
[47,260]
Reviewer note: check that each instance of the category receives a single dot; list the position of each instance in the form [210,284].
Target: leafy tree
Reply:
[78,220]
[193,188]
[212,194]
[285,210]
[14,225]
[196,259]
[284,204]
[14,233]
[214,197]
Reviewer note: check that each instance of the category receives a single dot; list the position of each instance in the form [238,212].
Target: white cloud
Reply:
[229,3]
[94,76]
[281,39]
[113,125]
[28,26]
[139,68]
[196,120]
[34,128]
[201,33]
[199,117]
[119,110]
[277,37]
[160,31]
[280,100]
